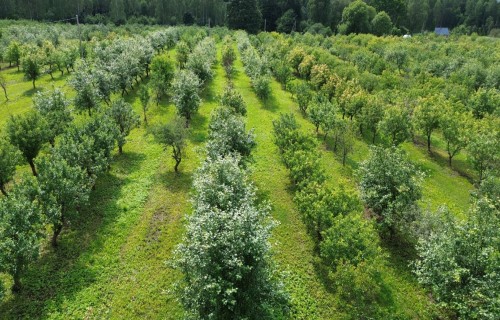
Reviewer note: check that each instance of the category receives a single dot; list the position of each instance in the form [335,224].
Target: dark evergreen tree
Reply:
[245,15]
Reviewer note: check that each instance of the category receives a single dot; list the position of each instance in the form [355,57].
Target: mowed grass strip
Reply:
[294,248]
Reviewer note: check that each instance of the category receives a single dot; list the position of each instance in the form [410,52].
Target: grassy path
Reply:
[311,300]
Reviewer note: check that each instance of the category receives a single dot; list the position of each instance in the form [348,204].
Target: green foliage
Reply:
[396,125]
[304,96]
[233,100]
[87,97]
[3,84]
[145,97]
[228,57]
[63,188]
[322,113]
[182,53]
[459,261]
[262,86]
[231,276]
[13,53]
[185,88]
[361,288]
[125,119]
[282,73]
[9,158]
[357,18]
[398,56]
[244,15]
[28,133]
[20,230]
[228,135]
[483,148]
[390,186]
[162,74]
[90,146]
[320,74]
[382,24]
[287,22]
[31,67]
[455,128]
[53,107]
[427,116]
[173,135]
[351,239]
[484,102]
[202,58]
[371,115]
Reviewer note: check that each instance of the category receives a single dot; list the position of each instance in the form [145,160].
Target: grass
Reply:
[311,292]
[111,261]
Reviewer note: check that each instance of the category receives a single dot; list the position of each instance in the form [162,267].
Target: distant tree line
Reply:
[323,16]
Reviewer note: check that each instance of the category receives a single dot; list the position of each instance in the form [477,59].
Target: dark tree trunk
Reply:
[55,235]
[16,287]
[374,136]
[2,189]
[344,157]
[120,149]
[5,93]
[33,169]
[176,168]
[34,84]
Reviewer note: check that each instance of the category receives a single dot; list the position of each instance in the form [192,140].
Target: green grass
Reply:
[21,92]
[111,261]
[312,294]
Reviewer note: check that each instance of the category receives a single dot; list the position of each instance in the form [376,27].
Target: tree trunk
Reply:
[344,157]
[4,87]
[34,84]
[176,168]
[16,287]
[449,159]
[55,235]
[2,189]
[120,149]
[33,169]
[374,136]
[145,118]
[429,143]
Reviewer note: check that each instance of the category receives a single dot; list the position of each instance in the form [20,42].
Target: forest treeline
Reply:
[316,16]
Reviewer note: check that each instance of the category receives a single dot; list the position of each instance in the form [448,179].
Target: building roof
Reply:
[442,31]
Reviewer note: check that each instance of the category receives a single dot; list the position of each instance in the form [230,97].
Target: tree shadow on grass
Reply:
[271,103]
[177,182]
[31,92]
[198,129]
[208,93]
[60,274]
